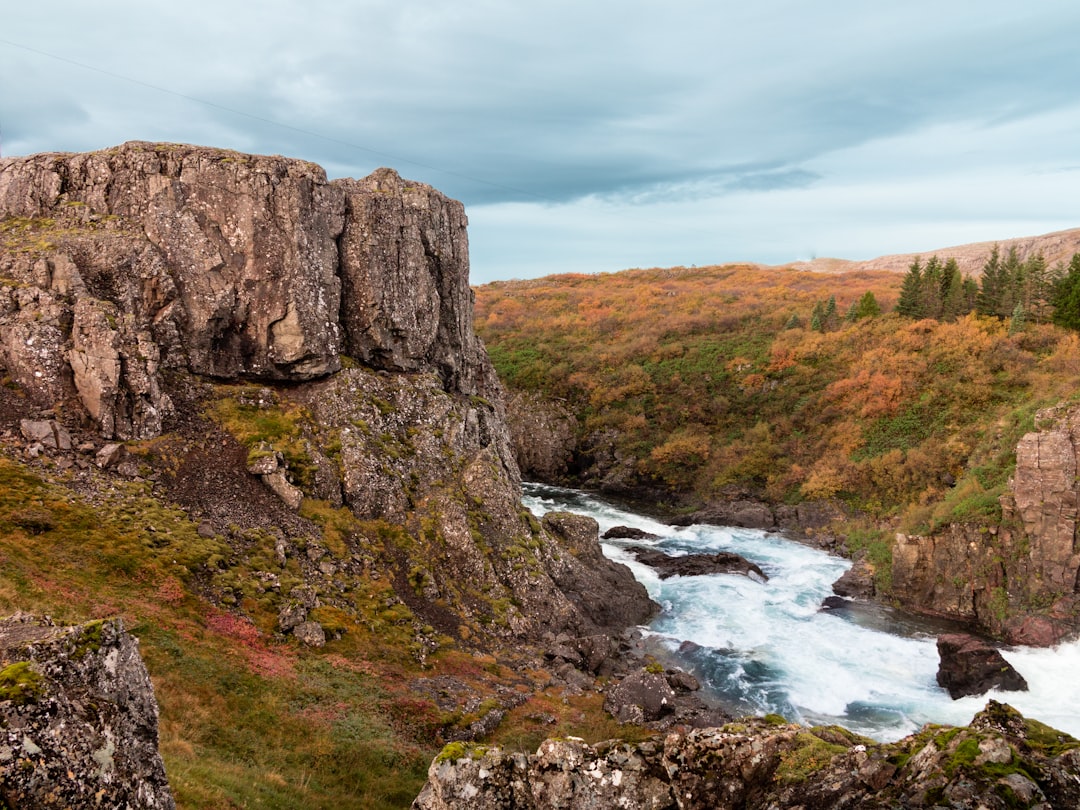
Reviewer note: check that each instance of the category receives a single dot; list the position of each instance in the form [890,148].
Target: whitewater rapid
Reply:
[767,647]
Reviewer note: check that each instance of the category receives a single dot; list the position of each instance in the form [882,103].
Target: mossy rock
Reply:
[21,683]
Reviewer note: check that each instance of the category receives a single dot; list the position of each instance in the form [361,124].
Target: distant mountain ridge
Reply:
[1058,246]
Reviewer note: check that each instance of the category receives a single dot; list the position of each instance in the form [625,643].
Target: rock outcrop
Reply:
[131,277]
[544,435]
[1018,580]
[1000,760]
[123,263]
[78,719]
[971,666]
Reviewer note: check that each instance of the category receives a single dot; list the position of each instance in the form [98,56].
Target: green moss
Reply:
[811,755]
[21,683]
[775,719]
[88,639]
[1047,740]
[454,751]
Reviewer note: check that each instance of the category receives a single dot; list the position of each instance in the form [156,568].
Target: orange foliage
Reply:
[709,385]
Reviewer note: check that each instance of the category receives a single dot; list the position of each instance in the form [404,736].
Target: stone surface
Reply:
[756,764]
[857,582]
[692,565]
[629,533]
[544,435]
[78,719]
[992,576]
[133,260]
[971,666]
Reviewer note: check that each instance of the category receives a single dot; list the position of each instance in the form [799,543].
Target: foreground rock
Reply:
[1001,760]
[661,699]
[695,565]
[78,719]
[971,666]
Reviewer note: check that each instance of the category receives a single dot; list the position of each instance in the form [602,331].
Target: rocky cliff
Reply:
[133,277]
[1001,760]
[78,719]
[125,263]
[1018,580]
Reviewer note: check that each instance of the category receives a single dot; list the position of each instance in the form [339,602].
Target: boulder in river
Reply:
[972,666]
[629,533]
[692,565]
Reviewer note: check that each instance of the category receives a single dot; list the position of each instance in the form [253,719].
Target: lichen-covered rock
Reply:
[122,263]
[405,280]
[1000,761]
[78,719]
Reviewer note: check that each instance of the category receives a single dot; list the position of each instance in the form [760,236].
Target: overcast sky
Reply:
[596,136]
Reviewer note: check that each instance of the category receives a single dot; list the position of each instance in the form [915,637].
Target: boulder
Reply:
[640,697]
[629,533]
[78,719]
[972,666]
[693,565]
[857,582]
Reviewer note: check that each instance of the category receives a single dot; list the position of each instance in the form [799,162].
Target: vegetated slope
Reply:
[694,386]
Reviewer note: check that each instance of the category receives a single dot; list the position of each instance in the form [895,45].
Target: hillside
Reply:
[706,390]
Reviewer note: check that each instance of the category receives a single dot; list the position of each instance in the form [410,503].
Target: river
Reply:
[767,647]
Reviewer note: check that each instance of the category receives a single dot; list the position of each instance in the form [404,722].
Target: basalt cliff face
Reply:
[137,278]
[1018,580]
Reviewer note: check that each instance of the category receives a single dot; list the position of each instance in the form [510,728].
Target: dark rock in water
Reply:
[629,533]
[971,666]
[744,512]
[759,762]
[78,719]
[834,603]
[857,582]
[692,565]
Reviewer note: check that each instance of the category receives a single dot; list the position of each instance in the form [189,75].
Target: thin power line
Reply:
[272,122]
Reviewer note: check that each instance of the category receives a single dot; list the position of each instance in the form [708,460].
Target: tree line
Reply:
[1018,290]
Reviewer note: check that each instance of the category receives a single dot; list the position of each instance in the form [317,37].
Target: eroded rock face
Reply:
[78,719]
[1018,580]
[544,435]
[755,764]
[129,261]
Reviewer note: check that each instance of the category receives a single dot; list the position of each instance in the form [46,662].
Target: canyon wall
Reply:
[1017,580]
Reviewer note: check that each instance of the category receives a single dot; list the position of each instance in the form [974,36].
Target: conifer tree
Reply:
[1066,298]
[991,285]
[910,303]
[830,319]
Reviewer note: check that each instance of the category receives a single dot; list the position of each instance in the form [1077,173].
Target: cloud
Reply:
[648,114]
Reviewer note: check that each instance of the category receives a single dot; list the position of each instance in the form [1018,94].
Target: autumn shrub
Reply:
[710,383]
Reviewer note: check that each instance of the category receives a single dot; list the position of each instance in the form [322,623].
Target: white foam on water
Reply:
[768,647]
